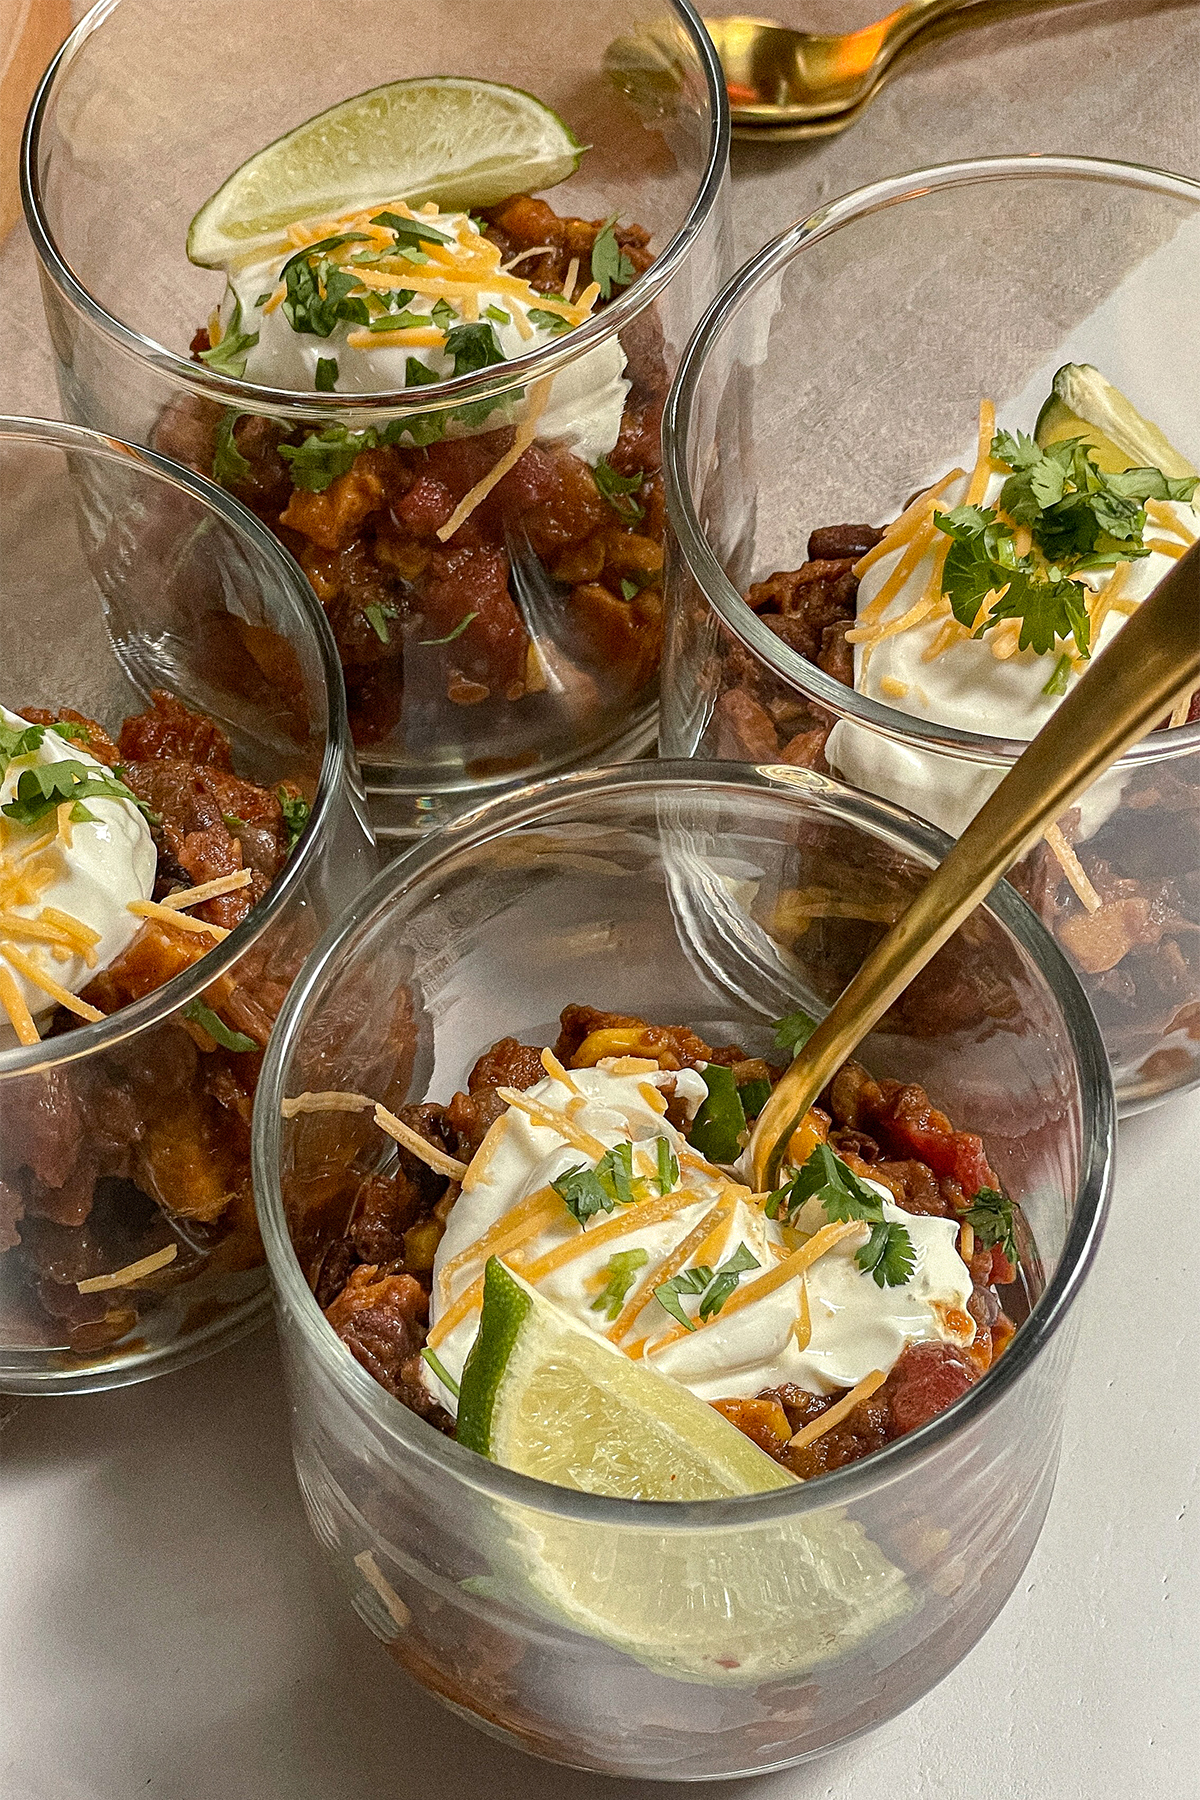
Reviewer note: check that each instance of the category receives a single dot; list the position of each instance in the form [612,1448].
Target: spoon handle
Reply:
[1153,661]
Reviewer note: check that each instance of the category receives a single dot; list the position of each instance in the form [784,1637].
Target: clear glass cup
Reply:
[839,372]
[720,896]
[561,667]
[119,1139]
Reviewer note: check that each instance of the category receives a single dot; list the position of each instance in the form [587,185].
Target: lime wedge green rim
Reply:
[398,1431]
[328,409]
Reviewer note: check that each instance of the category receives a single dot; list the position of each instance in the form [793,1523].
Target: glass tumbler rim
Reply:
[768,262]
[89,1039]
[443,1457]
[333,408]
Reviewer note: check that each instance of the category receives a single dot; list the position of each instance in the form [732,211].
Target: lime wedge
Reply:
[542,1395]
[739,1603]
[1082,404]
[447,138]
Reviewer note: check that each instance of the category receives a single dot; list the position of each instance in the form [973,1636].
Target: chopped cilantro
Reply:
[74,730]
[983,561]
[619,490]
[296,813]
[990,1217]
[610,266]
[410,231]
[327,374]
[377,616]
[581,1193]
[714,1287]
[42,789]
[621,1271]
[229,356]
[398,321]
[18,740]
[668,1166]
[444,316]
[1057,683]
[440,1370]
[234,824]
[794,1031]
[229,465]
[321,458]
[318,294]
[429,643]
[629,589]
[549,321]
[498,313]
[717,1128]
[217,1029]
[887,1254]
[473,347]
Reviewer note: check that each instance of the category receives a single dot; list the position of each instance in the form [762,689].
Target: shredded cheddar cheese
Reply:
[838,1411]
[1071,867]
[135,1271]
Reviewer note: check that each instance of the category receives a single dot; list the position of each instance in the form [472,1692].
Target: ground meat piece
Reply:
[471,1116]
[863,1431]
[745,730]
[382,1320]
[850,541]
[507,1064]
[334,1271]
[899,1116]
[671,1046]
[384,1208]
[914,1186]
[169,728]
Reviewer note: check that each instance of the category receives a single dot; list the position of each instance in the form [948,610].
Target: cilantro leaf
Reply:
[229,465]
[622,1271]
[430,643]
[610,266]
[794,1031]
[443,315]
[549,321]
[615,1174]
[217,1029]
[410,231]
[296,812]
[629,589]
[827,1178]
[619,490]
[582,1194]
[990,1217]
[321,458]
[887,1254]
[325,380]
[74,730]
[498,313]
[229,356]
[473,347]
[377,616]
[668,1166]
[725,1281]
[318,294]
[42,789]
[688,1281]
[1049,610]
[18,740]
[717,1127]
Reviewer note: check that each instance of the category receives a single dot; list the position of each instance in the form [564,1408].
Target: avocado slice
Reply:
[1083,404]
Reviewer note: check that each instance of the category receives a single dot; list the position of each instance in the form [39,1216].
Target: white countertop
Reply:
[169,1631]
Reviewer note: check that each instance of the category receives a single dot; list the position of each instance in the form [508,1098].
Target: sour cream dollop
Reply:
[856,1326]
[968,687]
[586,400]
[89,871]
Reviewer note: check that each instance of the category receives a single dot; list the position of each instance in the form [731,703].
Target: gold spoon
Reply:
[780,78]
[1153,662]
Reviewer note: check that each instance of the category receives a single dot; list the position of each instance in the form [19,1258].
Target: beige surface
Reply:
[1102,78]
